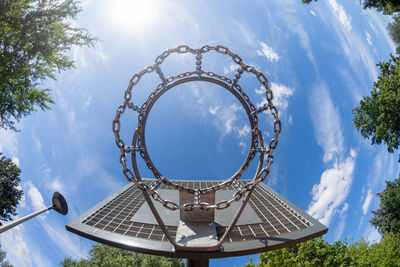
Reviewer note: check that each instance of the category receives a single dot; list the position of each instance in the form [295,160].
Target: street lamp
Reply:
[59,205]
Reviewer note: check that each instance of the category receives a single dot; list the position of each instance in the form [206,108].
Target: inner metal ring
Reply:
[139,135]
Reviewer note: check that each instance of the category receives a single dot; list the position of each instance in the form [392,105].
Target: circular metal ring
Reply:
[246,103]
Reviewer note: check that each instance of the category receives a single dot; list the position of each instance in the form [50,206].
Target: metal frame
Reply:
[228,249]
[139,144]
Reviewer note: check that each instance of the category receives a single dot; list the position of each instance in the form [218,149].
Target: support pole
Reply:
[197,263]
[12,224]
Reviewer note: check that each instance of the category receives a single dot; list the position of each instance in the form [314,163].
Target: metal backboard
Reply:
[268,222]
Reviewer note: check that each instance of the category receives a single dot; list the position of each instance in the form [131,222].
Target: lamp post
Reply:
[59,205]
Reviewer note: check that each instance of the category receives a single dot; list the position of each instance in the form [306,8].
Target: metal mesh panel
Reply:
[277,217]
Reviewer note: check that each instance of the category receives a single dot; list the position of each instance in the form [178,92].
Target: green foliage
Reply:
[394,31]
[10,193]
[3,262]
[378,116]
[34,38]
[387,218]
[318,252]
[101,256]
[387,6]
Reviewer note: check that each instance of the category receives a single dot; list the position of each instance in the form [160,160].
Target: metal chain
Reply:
[152,190]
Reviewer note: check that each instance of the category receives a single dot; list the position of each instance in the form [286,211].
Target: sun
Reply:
[134,14]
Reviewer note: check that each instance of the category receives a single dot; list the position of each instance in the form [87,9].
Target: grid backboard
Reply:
[268,222]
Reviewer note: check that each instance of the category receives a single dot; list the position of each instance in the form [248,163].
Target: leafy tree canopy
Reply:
[387,218]
[318,252]
[10,192]
[102,255]
[3,261]
[378,116]
[394,31]
[34,38]
[387,6]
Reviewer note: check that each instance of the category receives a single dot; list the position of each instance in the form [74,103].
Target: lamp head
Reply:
[59,203]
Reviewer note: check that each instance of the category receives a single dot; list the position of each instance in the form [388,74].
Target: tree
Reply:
[394,31]
[387,218]
[3,262]
[318,252]
[315,252]
[10,192]
[387,6]
[34,38]
[378,116]
[102,255]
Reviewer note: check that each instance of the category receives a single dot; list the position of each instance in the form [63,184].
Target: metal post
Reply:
[59,205]
[197,263]
[12,224]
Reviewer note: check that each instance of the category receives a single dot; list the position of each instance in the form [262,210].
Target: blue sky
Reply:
[319,59]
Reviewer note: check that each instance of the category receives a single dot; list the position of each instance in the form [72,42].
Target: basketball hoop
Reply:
[197,219]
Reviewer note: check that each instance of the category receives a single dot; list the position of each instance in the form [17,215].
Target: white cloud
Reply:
[330,193]
[268,52]
[378,26]
[14,244]
[8,142]
[246,33]
[367,202]
[260,91]
[213,110]
[368,37]
[332,190]
[244,131]
[229,116]
[88,101]
[281,93]
[339,11]
[15,160]
[70,244]
[372,235]
[341,225]
[56,185]
[326,121]
[290,120]
[34,195]
[233,67]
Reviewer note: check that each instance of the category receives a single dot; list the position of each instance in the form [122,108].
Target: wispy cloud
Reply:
[367,202]
[341,14]
[268,52]
[281,94]
[372,235]
[342,222]
[70,245]
[329,195]
[231,68]
[326,121]
[14,244]
[378,26]
[34,195]
[368,38]
[352,44]
[332,190]
[8,143]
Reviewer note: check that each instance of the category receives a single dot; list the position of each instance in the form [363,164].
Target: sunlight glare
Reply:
[134,14]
